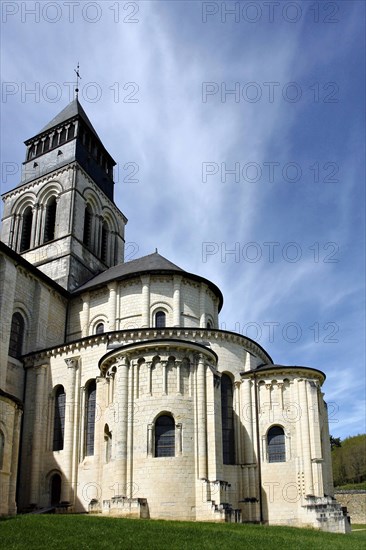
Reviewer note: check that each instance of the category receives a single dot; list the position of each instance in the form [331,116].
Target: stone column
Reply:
[203,305]
[112,254]
[112,305]
[98,234]
[145,305]
[326,450]
[164,375]
[122,426]
[247,420]
[176,301]
[36,234]
[14,461]
[82,423]
[305,437]
[177,370]
[178,443]
[50,413]
[84,317]
[150,428]
[315,443]
[237,424]
[17,233]
[72,365]
[78,411]
[130,414]
[149,366]
[245,491]
[201,418]
[11,237]
[252,493]
[37,451]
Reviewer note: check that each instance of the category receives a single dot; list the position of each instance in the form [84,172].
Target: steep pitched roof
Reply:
[152,263]
[71,110]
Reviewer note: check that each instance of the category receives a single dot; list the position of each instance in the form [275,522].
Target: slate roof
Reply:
[71,110]
[152,263]
[269,367]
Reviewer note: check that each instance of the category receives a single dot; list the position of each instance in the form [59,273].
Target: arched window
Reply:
[26,229]
[2,446]
[31,152]
[16,335]
[87,226]
[59,419]
[209,324]
[108,443]
[90,418]
[63,135]
[55,489]
[276,444]
[99,329]
[46,144]
[164,436]
[104,251]
[227,419]
[72,131]
[160,318]
[50,220]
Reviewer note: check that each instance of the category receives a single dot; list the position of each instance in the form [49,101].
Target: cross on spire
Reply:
[77,80]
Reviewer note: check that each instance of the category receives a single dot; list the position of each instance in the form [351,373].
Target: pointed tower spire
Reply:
[77,81]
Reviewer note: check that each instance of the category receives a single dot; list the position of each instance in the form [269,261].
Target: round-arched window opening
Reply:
[16,335]
[99,329]
[164,436]
[276,444]
[160,319]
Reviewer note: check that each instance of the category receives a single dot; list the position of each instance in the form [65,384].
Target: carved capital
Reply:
[72,363]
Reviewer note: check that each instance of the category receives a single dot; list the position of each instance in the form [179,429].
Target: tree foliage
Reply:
[349,459]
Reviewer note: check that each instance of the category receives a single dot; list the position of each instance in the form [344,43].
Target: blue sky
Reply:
[260,190]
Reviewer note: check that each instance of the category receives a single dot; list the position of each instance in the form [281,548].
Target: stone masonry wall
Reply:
[355,502]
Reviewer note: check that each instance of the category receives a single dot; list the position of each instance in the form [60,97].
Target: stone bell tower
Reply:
[62,217]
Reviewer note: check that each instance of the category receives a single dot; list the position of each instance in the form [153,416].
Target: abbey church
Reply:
[119,394]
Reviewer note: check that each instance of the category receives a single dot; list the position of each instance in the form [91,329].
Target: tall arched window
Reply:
[16,335]
[2,446]
[104,251]
[59,419]
[87,237]
[160,319]
[26,229]
[164,436]
[91,392]
[276,444]
[50,220]
[227,419]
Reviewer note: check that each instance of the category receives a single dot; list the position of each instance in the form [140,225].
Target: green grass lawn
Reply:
[83,532]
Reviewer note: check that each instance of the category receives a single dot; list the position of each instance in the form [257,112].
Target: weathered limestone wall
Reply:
[355,502]
[132,304]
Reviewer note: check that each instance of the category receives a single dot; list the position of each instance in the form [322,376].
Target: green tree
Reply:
[335,442]
[349,460]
